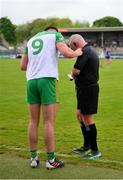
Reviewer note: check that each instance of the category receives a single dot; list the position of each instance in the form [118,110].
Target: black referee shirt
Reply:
[88,64]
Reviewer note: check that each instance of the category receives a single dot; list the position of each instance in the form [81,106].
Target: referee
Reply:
[86,74]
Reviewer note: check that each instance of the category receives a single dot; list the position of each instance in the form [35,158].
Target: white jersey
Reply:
[42,55]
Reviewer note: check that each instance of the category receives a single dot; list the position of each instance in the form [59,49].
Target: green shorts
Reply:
[41,91]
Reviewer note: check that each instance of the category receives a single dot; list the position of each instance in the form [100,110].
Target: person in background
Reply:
[40,63]
[107,55]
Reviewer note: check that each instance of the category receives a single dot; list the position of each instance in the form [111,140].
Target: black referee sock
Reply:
[86,135]
[93,137]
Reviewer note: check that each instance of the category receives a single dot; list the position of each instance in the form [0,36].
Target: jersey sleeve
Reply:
[59,37]
[25,50]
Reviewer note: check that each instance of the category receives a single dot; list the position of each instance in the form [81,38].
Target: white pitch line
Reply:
[65,155]
[99,160]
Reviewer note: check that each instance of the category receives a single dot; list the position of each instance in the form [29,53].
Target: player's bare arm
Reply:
[24,62]
[66,51]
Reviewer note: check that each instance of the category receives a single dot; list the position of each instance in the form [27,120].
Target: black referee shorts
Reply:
[87,99]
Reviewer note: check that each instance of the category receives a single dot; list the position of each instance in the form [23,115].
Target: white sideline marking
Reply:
[65,155]
[101,160]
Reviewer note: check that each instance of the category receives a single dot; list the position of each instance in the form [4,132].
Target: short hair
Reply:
[51,27]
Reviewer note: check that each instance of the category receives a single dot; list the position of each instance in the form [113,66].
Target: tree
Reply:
[23,32]
[64,23]
[83,24]
[107,21]
[7,29]
[52,21]
[59,22]
[37,25]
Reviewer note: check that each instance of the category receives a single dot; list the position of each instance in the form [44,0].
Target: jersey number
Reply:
[37,45]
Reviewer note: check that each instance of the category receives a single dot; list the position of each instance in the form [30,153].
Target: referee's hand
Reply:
[79,115]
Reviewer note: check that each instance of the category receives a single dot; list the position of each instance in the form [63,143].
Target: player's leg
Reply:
[109,60]
[34,119]
[33,99]
[49,136]
[49,113]
[49,120]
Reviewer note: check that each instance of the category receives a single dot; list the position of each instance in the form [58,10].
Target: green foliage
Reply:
[40,24]
[83,24]
[37,25]
[8,30]
[64,23]
[20,33]
[23,32]
[107,21]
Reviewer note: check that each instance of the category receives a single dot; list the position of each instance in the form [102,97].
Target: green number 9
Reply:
[37,44]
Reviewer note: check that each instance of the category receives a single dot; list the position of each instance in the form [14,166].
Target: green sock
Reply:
[33,153]
[50,155]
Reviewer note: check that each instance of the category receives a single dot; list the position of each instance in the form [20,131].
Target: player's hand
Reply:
[79,52]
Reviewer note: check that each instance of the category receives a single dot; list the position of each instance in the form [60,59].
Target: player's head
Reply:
[76,41]
[51,28]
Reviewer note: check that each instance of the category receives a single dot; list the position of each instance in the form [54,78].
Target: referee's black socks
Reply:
[86,135]
[93,136]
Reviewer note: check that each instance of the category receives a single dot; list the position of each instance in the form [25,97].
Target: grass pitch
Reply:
[14,115]
[18,168]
